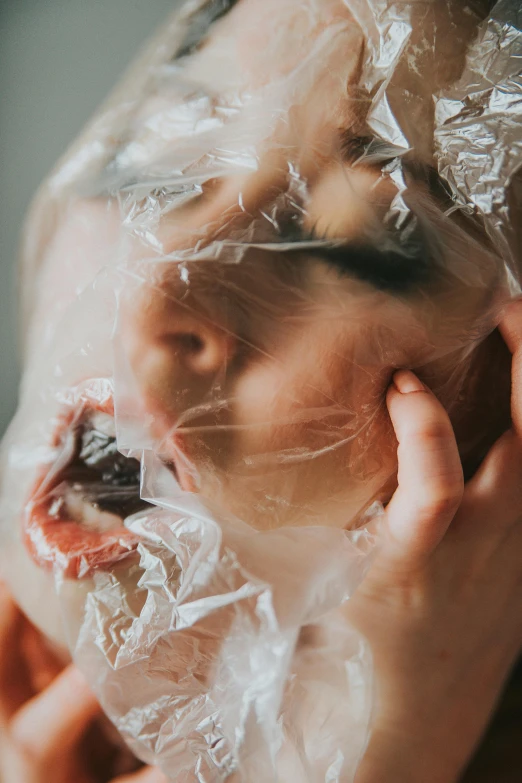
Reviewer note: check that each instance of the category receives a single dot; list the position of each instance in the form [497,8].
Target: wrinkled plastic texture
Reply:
[282,203]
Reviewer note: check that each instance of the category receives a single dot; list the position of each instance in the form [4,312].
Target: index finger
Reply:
[54,721]
[496,486]
[511,330]
[15,686]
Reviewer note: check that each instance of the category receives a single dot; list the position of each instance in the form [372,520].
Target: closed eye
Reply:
[397,266]
[397,270]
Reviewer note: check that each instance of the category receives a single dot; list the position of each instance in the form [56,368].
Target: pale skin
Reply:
[236,337]
[440,608]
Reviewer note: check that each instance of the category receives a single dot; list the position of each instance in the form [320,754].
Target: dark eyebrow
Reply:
[200,23]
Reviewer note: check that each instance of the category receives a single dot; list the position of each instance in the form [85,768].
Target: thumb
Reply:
[430,476]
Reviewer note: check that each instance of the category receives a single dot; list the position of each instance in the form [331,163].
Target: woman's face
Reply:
[241,329]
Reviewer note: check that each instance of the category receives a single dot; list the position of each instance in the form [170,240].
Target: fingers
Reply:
[56,718]
[43,664]
[147,775]
[511,330]
[15,686]
[496,489]
[430,478]
[11,622]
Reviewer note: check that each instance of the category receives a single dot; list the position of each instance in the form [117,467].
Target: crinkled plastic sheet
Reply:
[281,204]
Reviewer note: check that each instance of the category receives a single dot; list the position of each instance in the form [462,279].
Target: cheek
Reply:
[314,444]
[311,395]
[87,240]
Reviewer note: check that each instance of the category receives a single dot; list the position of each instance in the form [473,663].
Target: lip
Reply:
[54,539]
[62,544]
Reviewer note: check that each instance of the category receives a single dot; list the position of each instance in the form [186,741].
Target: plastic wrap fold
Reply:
[281,204]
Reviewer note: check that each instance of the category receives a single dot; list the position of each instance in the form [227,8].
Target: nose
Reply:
[178,352]
[199,349]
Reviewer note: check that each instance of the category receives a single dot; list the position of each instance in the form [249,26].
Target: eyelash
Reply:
[389,270]
[394,270]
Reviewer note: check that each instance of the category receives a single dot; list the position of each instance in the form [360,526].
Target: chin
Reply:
[34,590]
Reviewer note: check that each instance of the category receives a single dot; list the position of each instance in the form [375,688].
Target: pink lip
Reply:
[56,542]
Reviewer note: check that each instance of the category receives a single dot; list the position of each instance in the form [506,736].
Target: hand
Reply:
[48,714]
[442,605]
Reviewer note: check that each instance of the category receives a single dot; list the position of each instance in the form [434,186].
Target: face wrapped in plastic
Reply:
[221,278]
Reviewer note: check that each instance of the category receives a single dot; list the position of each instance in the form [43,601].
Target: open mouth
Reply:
[75,517]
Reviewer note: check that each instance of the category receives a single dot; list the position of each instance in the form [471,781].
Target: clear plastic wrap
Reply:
[282,204]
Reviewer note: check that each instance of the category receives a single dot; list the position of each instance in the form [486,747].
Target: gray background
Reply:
[58,60]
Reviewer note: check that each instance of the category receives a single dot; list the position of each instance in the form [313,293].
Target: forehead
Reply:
[319,75]
[266,94]
[262,15]
[255,44]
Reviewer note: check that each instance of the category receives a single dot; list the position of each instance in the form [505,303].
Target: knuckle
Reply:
[430,435]
[511,450]
[434,431]
[442,501]
[25,751]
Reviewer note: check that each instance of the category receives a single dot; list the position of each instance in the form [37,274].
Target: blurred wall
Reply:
[58,60]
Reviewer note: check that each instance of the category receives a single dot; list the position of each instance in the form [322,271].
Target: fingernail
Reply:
[406,382]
